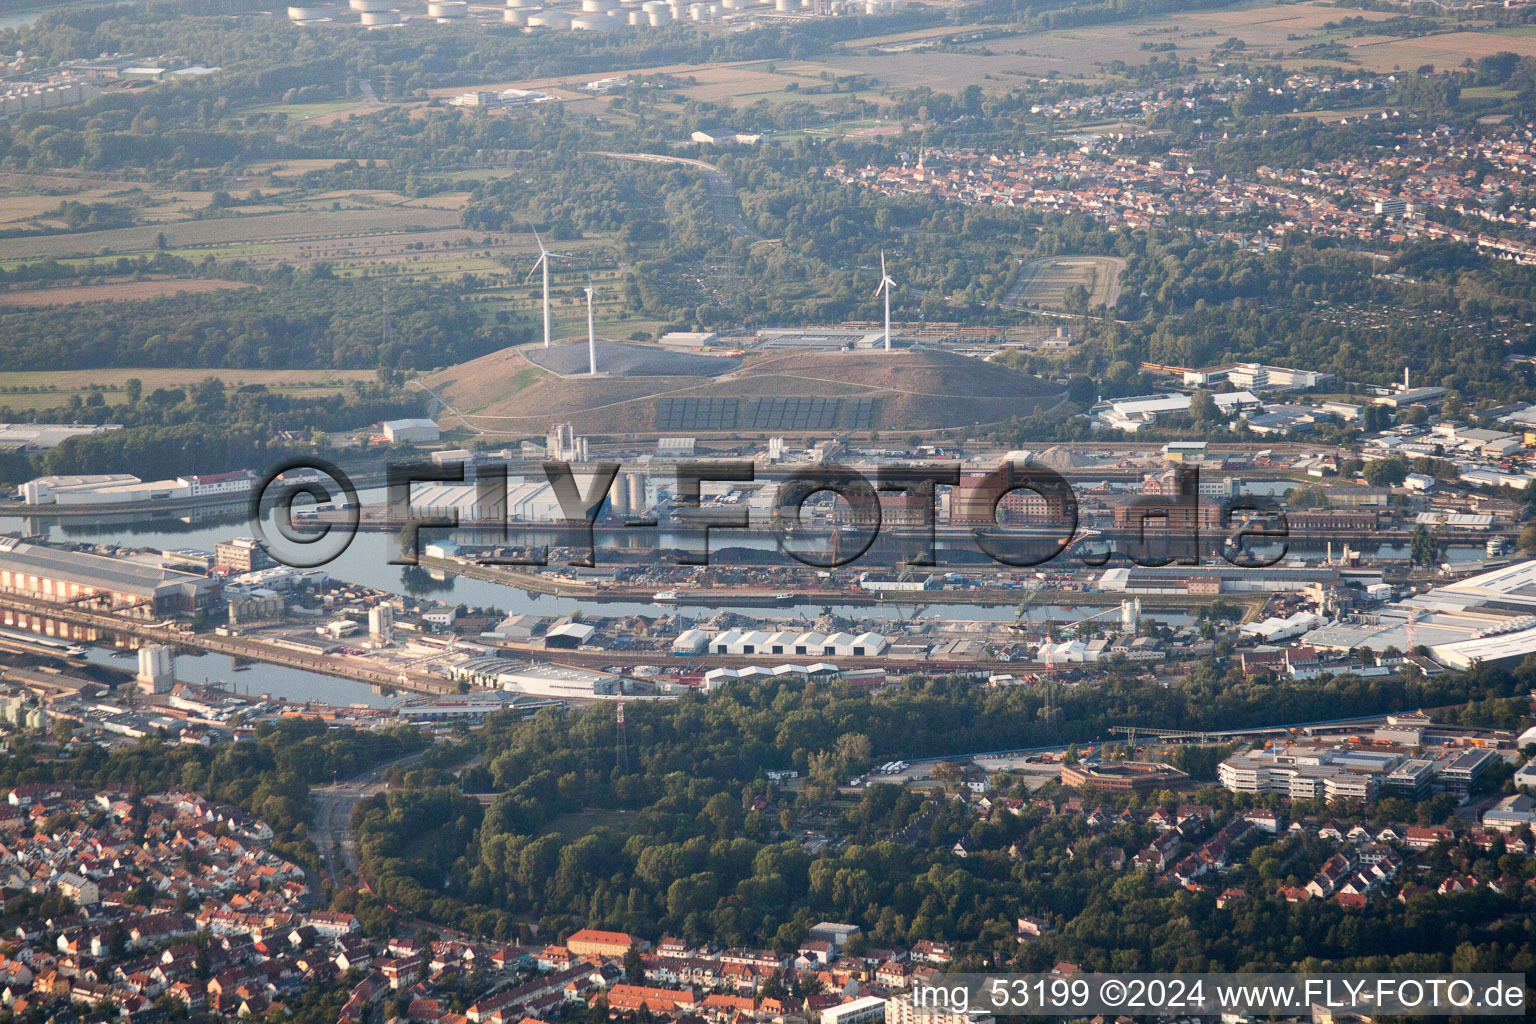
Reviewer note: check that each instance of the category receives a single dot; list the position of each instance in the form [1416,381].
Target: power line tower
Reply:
[623,742]
[387,80]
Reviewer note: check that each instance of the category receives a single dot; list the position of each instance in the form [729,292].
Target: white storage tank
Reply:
[550,19]
[515,16]
[308,13]
[592,23]
[638,18]
[380,17]
[660,18]
[363,6]
[447,8]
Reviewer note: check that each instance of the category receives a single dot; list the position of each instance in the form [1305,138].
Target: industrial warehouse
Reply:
[1484,619]
[126,587]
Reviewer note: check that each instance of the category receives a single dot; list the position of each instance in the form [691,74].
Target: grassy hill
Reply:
[923,389]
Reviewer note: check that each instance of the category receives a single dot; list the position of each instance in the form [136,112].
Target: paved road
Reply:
[722,194]
[333,815]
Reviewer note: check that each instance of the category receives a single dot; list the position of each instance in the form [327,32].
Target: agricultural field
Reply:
[901,61]
[1448,50]
[567,301]
[26,390]
[122,290]
[1044,282]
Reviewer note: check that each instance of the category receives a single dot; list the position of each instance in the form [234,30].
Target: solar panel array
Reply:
[779,413]
[791,414]
[697,413]
[859,413]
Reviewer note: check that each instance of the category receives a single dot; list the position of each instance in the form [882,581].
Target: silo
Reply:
[618,496]
[635,482]
[447,8]
[380,17]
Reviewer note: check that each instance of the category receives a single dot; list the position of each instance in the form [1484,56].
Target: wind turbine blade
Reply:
[882,262]
[537,239]
[535,270]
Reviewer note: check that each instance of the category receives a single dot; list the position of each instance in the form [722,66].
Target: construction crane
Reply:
[1096,615]
[1025,603]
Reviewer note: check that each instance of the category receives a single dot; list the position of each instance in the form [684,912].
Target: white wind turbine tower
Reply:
[591,335]
[544,257]
[885,286]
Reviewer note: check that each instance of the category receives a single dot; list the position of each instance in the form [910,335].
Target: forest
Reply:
[693,839]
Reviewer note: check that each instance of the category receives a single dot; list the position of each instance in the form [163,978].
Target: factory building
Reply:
[558,681]
[53,574]
[242,554]
[972,504]
[1489,618]
[396,431]
[124,488]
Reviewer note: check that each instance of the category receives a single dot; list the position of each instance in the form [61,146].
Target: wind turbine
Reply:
[543,262]
[885,287]
[591,336]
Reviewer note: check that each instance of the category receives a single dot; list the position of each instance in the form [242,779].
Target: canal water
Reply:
[366,562]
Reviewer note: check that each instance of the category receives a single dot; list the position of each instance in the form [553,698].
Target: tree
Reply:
[1082,390]
[634,967]
[1528,539]
[1386,472]
[1202,407]
[1423,548]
